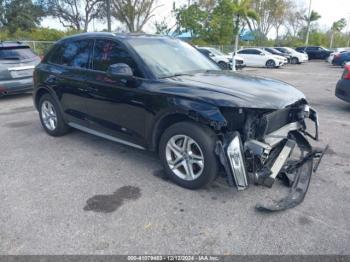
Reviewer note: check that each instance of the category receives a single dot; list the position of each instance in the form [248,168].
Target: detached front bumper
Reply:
[273,152]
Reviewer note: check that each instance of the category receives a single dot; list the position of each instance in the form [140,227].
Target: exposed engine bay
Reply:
[272,145]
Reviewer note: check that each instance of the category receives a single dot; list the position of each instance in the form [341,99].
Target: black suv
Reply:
[161,94]
[314,52]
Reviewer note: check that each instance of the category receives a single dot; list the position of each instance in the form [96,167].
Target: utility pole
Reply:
[308,25]
[109,23]
[348,32]
[236,40]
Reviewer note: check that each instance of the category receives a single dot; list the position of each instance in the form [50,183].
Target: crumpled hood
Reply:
[236,89]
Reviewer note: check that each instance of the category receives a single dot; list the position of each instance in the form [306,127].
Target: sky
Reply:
[329,10]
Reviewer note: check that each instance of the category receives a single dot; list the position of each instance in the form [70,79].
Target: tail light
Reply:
[346,74]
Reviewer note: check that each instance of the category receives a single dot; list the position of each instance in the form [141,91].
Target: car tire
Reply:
[270,64]
[177,156]
[51,117]
[223,65]
[294,61]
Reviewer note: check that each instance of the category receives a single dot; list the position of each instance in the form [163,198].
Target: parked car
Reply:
[17,62]
[314,52]
[276,52]
[224,61]
[342,90]
[336,52]
[160,94]
[296,57]
[257,57]
[341,59]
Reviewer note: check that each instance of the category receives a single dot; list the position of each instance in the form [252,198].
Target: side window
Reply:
[72,53]
[76,54]
[108,52]
[243,52]
[256,52]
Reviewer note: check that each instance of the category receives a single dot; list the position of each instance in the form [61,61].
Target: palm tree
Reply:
[337,27]
[314,16]
[242,12]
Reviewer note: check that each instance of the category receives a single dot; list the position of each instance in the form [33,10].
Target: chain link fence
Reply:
[39,47]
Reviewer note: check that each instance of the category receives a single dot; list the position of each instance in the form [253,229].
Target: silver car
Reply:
[17,62]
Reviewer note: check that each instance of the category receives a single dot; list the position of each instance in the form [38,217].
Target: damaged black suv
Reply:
[161,94]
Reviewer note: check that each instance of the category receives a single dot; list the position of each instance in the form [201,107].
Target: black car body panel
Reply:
[314,52]
[342,90]
[257,113]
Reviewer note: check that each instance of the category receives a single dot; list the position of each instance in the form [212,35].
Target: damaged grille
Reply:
[273,121]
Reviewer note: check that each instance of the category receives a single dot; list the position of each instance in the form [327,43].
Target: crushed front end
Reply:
[271,144]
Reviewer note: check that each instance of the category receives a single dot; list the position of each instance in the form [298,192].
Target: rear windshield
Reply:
[16,53]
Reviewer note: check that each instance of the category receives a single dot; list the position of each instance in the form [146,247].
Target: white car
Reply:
[257,57]
[296,57]
[223,60]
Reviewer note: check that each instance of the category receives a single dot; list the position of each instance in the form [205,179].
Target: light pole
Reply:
[308,25]
[348,32]
[108,11]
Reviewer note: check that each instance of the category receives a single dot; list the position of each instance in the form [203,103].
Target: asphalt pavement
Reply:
[80,194]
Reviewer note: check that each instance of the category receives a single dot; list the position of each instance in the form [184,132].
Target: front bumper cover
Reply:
[232,156]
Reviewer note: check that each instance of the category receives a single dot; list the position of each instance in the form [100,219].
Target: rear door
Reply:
[68,69]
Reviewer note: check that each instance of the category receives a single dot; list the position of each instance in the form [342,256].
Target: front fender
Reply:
[185,109]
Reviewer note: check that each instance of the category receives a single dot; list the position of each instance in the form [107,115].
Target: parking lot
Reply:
[80,194]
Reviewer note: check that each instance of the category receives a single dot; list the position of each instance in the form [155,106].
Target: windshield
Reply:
[167,57]
[16,53]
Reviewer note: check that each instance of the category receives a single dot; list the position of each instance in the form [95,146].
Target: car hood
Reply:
[225,88]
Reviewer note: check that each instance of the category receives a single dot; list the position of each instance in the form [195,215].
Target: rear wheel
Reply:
[270,64]
[295,61]
[186,150]
[51,117]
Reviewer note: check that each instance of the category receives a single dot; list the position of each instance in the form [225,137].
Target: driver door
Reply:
[116,105]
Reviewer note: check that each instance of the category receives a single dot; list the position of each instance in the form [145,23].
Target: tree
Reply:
[134,13]
[20,15]
[192,19]
[337,26]
[76,14]
[270,13]
[162,27]
[294,19]
[313,17]
[280,13]
[243,12]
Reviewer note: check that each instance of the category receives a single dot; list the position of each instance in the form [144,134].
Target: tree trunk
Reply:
[332,40]
[236,43]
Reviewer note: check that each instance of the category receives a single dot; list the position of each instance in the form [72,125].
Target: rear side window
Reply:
[72,53]
[108,52]
[16,53]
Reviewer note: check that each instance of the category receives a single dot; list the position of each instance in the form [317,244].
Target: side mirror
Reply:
[120,70]
[262,54]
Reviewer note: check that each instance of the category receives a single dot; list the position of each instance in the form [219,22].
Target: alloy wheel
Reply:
[48,115]
[184,157]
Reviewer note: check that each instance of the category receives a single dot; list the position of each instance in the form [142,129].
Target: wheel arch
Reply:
[211,118]
[42,91]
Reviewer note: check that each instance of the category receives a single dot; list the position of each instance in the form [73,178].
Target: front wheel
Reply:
[187,152]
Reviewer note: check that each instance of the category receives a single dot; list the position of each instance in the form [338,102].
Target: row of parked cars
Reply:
[269,57]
